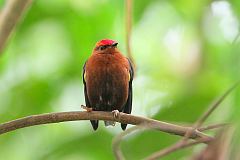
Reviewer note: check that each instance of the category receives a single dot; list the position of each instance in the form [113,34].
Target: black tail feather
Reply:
[123,126]
[94,124]
[128,106]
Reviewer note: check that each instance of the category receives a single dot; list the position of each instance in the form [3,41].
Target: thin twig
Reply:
[214,126]
[117,140]
[197,125]
[212,107]
[9,17]
[97,115]
[174,148]
[129,30]
[215,105]
[236,37]
[218,149]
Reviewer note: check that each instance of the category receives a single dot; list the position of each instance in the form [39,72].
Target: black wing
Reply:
[128,106]
[93,122]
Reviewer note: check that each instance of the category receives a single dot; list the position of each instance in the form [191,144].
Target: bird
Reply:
[107,78]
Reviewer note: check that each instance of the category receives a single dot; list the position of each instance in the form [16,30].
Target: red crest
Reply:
[105,42]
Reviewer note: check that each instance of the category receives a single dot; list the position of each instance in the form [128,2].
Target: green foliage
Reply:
[185,59]
[1,2]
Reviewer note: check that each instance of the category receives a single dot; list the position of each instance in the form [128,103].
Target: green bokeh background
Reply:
[185,58]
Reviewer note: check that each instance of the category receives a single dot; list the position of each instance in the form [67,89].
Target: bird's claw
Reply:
[115,113]
[86,108]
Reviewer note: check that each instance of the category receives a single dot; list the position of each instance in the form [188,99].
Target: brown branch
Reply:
[175,147]
[214,126]
[129,30]
[203,118]
[179,145]
[197,125]
[98,115]
[212,107]
[210,110]
[117,140]
[218,149]
[9,17]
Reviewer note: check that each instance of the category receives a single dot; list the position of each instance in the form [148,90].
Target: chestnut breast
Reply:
[107,81]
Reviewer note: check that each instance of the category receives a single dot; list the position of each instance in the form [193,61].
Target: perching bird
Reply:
[107,78]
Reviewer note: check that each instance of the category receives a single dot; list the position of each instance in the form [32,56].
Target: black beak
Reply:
[114,44]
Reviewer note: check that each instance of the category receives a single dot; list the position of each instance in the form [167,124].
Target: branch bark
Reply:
[119,138]
[197,125]
[9,17]
[98,115]
[214,126]
[174,148]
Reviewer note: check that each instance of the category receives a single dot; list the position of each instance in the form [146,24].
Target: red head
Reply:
[105,46]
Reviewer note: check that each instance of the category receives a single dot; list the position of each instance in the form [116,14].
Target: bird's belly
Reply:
[108,89]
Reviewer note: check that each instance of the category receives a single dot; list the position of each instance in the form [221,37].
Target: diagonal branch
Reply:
[210,110]
[214,126]
[9,17]
[98,115]
[117,140]
[174,148]
[129,30]
[195,127]
[203,118]
[236,37]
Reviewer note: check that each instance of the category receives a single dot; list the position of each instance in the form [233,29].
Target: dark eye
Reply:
[102,47]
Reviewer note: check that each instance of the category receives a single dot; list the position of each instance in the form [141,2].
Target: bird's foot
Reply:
[115,113]
[86,108]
